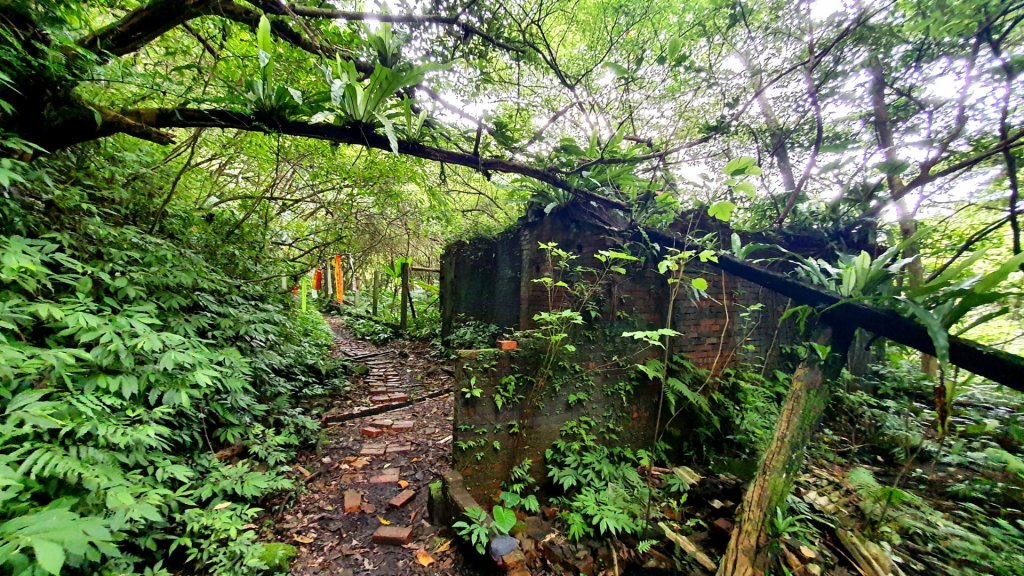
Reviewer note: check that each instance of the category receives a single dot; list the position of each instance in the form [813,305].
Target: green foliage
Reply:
[604,493]
[470,334]
[475,530]
[504,519]
[369,329]
[128,360]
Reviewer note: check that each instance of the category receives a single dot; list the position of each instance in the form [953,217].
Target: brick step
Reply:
[393,535]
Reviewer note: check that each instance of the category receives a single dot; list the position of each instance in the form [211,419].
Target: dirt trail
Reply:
[370,475]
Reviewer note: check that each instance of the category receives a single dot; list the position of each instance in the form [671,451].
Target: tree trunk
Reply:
[747,554]
[905,216]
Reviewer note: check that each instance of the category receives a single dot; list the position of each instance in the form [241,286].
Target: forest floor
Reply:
[370,474]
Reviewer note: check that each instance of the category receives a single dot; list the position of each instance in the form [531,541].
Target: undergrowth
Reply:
[149,397]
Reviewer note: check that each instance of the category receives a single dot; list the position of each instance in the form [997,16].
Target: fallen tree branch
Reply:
[331,420]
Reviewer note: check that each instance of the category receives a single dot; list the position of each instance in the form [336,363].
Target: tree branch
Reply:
[354,134]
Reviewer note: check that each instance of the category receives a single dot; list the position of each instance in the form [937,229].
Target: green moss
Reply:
[435,489]
[278,556]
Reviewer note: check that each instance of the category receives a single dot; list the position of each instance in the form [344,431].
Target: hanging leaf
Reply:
[617,69]
[937,332]
[674,46]
[722,210]
[389,130]
[263,39]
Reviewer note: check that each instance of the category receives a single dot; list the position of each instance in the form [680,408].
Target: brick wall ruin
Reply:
[491,280]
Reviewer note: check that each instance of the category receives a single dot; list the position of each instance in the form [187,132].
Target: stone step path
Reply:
[386,385]
[365,508]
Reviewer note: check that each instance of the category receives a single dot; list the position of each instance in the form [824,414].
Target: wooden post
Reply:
[404,322]
[376,287]
[747,553]
[355,282]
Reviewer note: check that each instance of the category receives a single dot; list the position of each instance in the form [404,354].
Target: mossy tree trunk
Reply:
[747,554]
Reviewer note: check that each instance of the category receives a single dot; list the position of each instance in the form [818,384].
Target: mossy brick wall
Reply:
[480,279]
[492,280]
[642,295]
[736,321]
[485,449]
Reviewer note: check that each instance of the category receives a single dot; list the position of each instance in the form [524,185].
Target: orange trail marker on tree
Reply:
[339,288]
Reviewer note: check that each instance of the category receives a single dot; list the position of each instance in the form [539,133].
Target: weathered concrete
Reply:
[490,442]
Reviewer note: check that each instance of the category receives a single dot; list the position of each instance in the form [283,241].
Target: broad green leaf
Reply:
[263,39]
[504,519]
[700,284]
[617,69]
[743,165]
[674,45]
[49,555]
[722,210]
[937,332]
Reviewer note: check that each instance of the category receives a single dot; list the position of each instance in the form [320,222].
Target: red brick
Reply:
[371,432]
[403,498]
[372,450]
[393,535]
[398,397]
[403,426]
[353,501]
[507,344]
[382,424]
[380,399]
[396,448]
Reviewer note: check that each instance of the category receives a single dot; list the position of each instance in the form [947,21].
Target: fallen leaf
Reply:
[423,558]
[303,471]
[222,505]
[403,484]
[383,521]
[443,547]
[302,539]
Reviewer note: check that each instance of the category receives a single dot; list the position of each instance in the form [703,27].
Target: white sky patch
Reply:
[733,63]
[823,9]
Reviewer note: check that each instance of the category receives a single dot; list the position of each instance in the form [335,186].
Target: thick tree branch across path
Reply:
[355,134]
